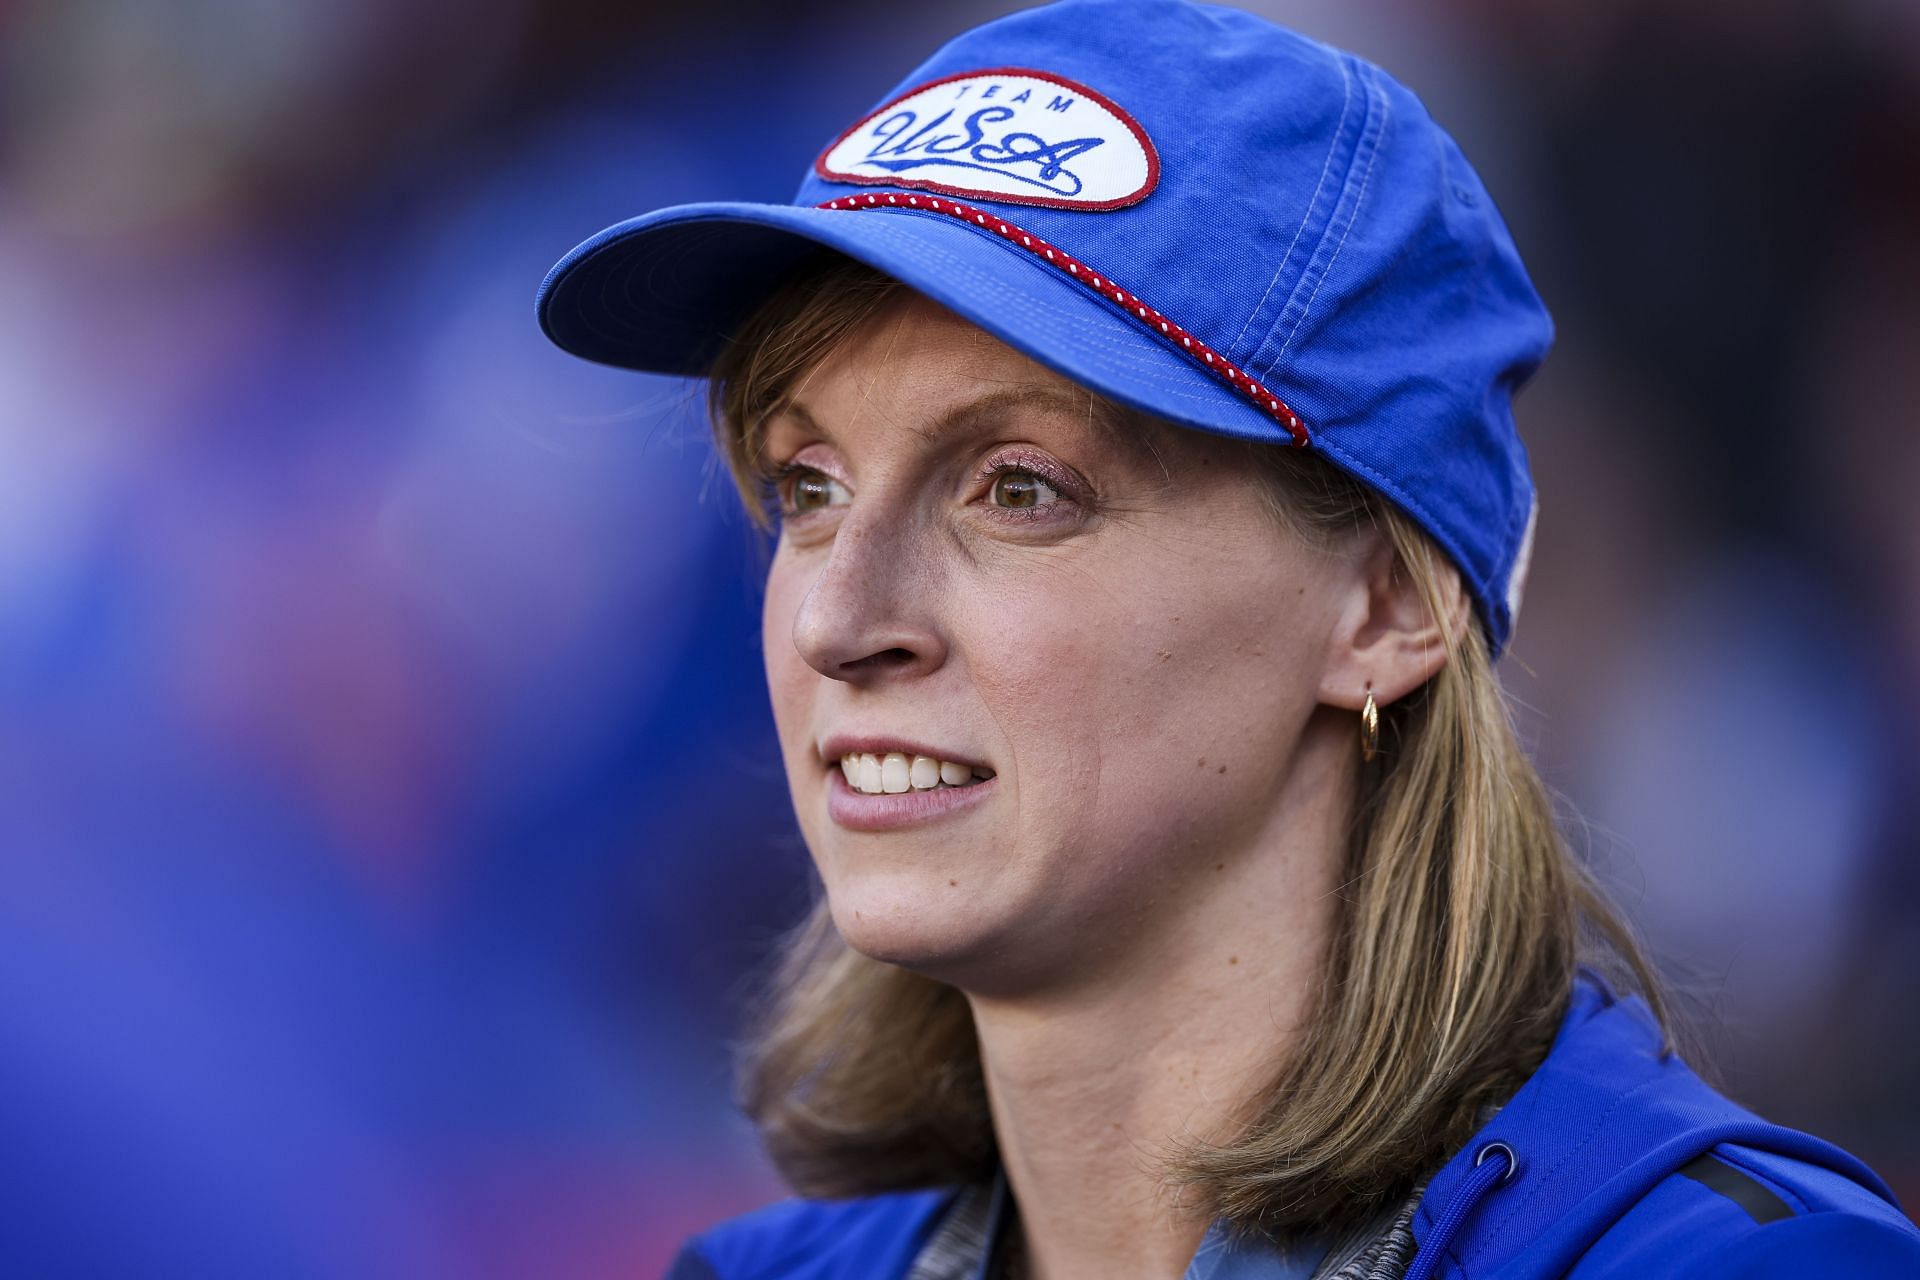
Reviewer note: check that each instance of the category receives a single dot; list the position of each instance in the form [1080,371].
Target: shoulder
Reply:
[1737,1212]
[870,1237]
[1624,1163]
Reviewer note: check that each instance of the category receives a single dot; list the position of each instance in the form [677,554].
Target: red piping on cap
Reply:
[1153,321]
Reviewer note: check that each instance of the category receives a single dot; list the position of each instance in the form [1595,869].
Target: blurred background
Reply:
[390,819]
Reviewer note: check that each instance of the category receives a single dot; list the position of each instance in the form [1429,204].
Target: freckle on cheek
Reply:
[953,882]
[1202,764]
[1233,959]
[1223,768]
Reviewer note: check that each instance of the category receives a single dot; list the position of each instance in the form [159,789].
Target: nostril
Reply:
[886,659]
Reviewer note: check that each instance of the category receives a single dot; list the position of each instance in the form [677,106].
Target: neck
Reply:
[1092,1087]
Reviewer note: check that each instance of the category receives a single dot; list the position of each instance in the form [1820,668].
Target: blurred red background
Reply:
[390,819]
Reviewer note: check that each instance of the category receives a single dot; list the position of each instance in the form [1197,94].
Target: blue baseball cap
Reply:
[1184,208]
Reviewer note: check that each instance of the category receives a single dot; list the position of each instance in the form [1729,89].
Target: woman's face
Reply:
[1106,637]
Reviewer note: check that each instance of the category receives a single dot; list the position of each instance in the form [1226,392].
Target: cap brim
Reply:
[664,292]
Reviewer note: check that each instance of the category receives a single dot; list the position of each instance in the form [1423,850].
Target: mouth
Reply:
[876,784]
[893,773]
[887,810]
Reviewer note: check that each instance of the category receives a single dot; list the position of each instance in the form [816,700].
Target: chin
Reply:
[931,928]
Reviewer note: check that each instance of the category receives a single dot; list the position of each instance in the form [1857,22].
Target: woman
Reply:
[1188,905]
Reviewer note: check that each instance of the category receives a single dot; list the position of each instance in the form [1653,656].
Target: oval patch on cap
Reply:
[1010,134]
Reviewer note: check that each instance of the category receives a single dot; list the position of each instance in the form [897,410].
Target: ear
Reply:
[1386,639]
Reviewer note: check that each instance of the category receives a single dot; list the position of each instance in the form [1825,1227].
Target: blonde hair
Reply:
[1460,921]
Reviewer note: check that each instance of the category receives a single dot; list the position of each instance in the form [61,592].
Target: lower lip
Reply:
[858,811]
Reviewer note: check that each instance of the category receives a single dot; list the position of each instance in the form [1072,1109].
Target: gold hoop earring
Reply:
[1369,730]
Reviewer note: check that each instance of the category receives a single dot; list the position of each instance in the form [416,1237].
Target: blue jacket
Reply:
[1610,1163]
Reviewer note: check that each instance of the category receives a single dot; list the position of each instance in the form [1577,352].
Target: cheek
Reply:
[790,681]
[1165,714]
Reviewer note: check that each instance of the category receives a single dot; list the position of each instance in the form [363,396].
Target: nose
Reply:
[870,614]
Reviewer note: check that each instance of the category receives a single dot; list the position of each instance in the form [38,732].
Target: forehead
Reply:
[928,375]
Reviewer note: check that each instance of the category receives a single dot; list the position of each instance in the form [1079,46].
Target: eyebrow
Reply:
[1112,424]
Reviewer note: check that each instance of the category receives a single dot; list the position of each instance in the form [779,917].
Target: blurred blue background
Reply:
[390,819]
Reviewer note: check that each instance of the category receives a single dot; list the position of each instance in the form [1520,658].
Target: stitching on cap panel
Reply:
[1326,167]
[1366,180]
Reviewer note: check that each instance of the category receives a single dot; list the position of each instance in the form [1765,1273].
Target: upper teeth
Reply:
[896,772]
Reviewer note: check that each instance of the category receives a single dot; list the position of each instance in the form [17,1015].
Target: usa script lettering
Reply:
[902,142]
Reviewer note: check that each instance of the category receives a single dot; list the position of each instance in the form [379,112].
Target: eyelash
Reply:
[1004,465]
[779,479]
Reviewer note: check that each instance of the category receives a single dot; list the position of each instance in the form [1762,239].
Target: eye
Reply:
[1021,490]
[806,490]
